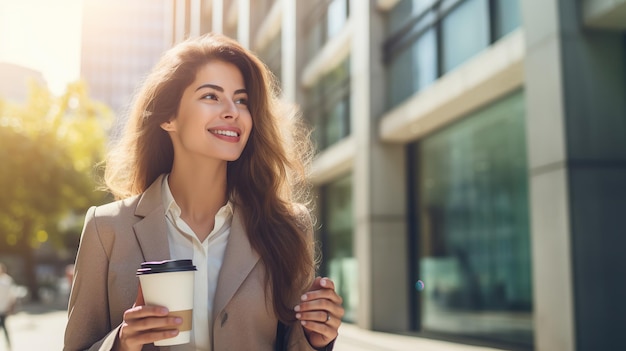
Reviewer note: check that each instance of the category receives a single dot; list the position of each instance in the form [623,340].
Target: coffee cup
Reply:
[170,284]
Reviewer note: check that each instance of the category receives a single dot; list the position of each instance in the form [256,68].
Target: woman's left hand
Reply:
[320,312]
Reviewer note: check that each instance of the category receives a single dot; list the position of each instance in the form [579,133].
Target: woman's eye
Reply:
[210,97]
[242,101]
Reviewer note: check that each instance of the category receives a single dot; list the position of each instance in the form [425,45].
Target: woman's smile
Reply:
[227,134]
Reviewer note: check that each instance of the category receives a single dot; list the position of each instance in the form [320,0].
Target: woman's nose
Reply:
[230,110]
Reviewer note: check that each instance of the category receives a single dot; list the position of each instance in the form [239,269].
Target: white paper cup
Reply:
[170,284]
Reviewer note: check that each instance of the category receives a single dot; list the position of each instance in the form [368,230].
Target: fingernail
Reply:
[303,322]
[323,282]
[163,310]
[298,315]
[178,320]
[303,297]
[297,308]
[173,332]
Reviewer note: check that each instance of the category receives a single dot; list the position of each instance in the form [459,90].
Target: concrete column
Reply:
[169,26]
[243,24]
[361,131]
[180,22]
[195,17]
[218,16]
[548,188]
[576,130]
[293,41]
[379,188]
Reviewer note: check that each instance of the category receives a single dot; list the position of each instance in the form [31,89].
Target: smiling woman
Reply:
[211,169]
[43,35]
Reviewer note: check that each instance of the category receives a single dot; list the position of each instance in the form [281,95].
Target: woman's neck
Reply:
[199,191]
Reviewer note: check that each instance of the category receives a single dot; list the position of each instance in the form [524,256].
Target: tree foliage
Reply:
[48,148]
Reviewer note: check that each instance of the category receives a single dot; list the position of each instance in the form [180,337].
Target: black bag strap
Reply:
[281,337]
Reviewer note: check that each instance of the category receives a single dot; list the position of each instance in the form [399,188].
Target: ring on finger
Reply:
[327,317]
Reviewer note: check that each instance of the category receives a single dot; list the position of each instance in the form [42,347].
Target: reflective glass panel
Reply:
[400,14]
[336,122]
[507,17]
[328,106]
[414,68]
[341,265]
[465,32]
[474,241]
[337,16]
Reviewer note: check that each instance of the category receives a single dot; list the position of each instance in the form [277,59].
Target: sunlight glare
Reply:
[43,35]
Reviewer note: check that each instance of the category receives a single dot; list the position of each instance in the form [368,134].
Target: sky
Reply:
[43,35]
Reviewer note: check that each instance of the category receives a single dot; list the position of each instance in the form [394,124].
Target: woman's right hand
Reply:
[145,324]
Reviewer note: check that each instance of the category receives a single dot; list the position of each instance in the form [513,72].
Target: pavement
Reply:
[35,328]
[40,327]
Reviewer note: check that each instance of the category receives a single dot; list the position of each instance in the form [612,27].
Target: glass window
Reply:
[414,68]
[474,244]
[271,54]
[337,242]
[335,125]
[465,32]
[429,38]
[328,106]
[404,11]
[337,17]
[325,21]
[506,17]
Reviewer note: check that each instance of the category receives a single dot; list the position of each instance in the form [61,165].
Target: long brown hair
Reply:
[265,182]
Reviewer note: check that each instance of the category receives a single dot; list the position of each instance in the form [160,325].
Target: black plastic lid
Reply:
[166,266]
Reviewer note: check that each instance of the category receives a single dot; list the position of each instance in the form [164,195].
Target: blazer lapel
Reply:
[151,231]
[239,259]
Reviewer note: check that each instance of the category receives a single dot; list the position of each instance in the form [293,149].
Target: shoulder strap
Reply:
[281,337]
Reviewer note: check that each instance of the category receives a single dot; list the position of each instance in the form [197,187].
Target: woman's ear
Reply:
[167,126]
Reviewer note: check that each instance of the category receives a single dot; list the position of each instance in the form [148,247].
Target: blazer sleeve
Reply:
[88,326]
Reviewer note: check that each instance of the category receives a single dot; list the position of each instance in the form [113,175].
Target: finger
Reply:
[327,294]
[318,316]
[321,305]
[327,283]
[150,337]
[129,336]
[145,311]
[147,330]
[322,283]
[329,332]
[160,323]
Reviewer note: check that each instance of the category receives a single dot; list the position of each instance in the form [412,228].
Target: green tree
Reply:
[48,149]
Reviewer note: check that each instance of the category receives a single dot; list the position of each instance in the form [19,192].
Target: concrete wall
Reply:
[576,121]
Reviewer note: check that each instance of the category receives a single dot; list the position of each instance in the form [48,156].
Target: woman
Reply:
[205,170]
[8,300]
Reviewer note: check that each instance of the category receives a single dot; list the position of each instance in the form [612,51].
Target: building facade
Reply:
[121,42]
[477,146]
[14,85]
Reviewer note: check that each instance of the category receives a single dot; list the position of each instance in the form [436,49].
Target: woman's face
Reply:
[213,120]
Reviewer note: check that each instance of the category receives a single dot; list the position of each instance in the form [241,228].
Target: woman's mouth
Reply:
[229,133]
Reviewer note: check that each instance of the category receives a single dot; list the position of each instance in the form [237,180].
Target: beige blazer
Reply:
[118,236]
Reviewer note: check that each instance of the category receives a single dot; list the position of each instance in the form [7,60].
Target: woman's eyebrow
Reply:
[212,86]
[220,89]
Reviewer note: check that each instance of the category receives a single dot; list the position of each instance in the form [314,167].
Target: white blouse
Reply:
[207,256]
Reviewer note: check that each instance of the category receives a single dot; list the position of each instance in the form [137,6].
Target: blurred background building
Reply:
[15,81]
[476,145]
[121,41]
